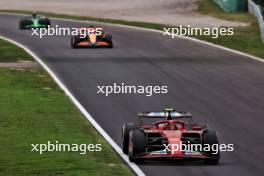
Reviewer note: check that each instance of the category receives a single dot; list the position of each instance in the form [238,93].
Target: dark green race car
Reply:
[34,21]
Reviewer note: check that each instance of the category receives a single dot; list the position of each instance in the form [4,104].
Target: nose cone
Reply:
[92,38]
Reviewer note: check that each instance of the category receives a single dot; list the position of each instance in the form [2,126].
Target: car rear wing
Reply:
[165,115]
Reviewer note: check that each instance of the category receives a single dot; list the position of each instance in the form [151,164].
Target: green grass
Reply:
[11,53]
[34,110]
[246,39]
[208,7]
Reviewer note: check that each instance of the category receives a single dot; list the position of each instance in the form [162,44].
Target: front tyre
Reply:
[111,45]
[74,41]
[23,23]
[210,138]
[136,144]
[127,127]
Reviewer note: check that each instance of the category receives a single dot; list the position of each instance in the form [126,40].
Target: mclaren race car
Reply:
[171,137]
[34,21]
[91,37]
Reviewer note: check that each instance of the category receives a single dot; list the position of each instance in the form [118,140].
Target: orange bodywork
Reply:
[83,44]
[92,42]
[92,39]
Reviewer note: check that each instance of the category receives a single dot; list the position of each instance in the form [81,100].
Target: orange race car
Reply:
[91,37]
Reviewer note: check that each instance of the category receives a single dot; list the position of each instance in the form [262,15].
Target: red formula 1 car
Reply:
[91,37]
[169,138]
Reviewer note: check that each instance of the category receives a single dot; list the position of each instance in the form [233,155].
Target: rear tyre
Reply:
[136,144]
[127,127]
[45,21]
[210,139]
[108,39]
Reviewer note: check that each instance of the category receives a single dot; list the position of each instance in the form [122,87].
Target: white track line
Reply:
[178,36]
[118,150]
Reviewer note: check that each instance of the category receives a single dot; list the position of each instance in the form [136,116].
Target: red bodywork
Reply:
[172,131]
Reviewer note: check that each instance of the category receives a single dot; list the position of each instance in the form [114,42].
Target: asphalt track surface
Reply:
[221,88]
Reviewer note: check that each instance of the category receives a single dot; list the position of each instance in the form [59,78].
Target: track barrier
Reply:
[255,10]
[232,5]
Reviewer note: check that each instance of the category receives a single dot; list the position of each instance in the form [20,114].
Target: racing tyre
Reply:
[23,23]
[45,21]
[136,144]
[111,45]
[210,138]
[108,39]
[74,41]
[127,127]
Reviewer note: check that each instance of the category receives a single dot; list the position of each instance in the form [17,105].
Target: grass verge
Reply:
[11,53]
[246,39]
[33,110]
